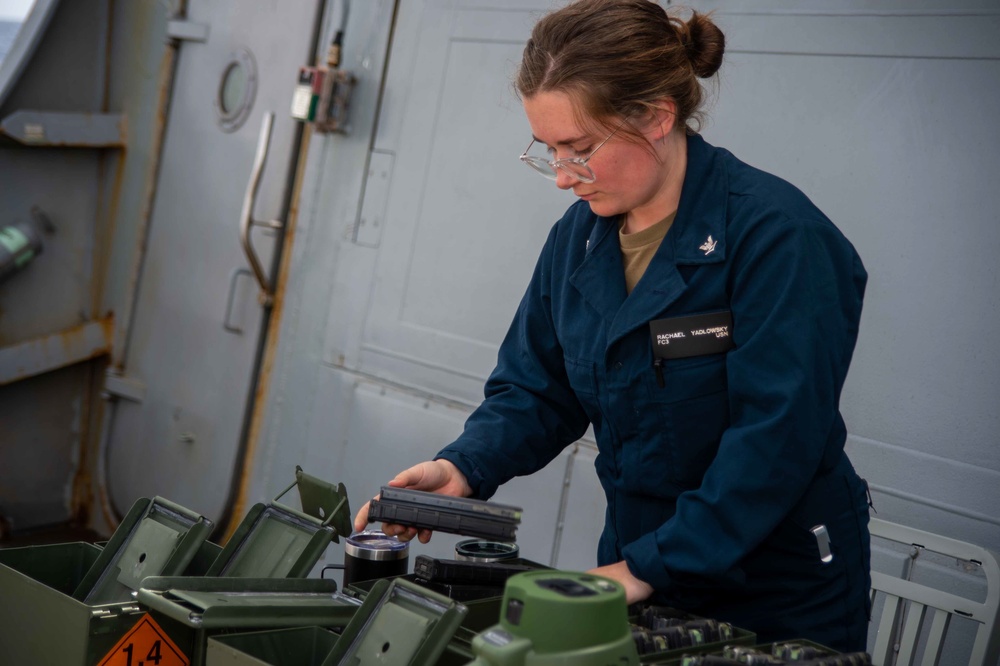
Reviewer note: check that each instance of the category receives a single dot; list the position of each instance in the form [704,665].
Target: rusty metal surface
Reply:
[198,374]
[54,334]
[332,177]
[131,199]
[145,136]
[50,352]
[258,406]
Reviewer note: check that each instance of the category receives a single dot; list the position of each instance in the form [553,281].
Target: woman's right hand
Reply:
[435,476]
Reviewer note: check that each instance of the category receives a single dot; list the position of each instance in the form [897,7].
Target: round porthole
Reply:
[236,91]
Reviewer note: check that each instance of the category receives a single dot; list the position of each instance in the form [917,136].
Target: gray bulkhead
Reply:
[408,241]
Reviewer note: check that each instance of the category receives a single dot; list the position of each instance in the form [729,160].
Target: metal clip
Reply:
[823,543]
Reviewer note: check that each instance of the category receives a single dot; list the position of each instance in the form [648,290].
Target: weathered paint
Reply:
[51,352]
[245,466]
[164,88]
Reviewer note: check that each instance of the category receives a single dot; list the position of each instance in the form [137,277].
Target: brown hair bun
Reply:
[705,44]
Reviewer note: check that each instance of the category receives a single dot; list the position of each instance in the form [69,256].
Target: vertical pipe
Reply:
[81,485]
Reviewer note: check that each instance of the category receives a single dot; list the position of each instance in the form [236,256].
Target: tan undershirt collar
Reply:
[638,248]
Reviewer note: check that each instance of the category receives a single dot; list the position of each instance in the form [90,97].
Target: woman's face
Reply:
[629,177]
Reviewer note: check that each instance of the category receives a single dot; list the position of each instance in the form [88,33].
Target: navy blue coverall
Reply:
[714,478]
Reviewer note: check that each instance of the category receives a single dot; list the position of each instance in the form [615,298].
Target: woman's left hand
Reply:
[635,589]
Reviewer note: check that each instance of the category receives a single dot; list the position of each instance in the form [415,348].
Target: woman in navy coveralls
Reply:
[716,464]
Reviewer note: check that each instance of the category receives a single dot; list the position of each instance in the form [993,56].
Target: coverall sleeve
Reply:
[530,412]
[796,292]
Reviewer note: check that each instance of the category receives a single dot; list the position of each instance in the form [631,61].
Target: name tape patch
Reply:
[693,335]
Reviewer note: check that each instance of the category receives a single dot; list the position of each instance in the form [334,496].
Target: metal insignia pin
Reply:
[708,246]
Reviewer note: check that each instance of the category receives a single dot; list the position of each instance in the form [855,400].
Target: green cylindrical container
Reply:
[20,242]
[550,618]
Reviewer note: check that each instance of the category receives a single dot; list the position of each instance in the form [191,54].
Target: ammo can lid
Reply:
[375,545]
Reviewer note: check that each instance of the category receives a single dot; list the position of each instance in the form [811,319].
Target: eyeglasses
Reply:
[574,166]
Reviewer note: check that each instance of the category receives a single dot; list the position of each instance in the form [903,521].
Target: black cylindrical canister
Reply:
[478,550]
[19,243]
[372,554]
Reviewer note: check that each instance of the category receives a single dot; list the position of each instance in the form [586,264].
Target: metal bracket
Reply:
[57,350]
[119,611]
[338,87]
[323,500]
[65,130]
[187,31]
[119,386]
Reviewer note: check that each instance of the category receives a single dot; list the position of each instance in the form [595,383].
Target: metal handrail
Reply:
[266,296]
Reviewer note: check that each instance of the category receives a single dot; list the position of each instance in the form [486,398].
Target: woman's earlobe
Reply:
[665,127]
[667,114]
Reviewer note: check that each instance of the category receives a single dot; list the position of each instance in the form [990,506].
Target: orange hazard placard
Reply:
[146,644]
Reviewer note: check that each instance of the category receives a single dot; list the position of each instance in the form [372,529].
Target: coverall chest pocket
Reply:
[683,425]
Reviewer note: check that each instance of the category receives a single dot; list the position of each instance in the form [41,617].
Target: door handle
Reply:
[231,299]
[247,222]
